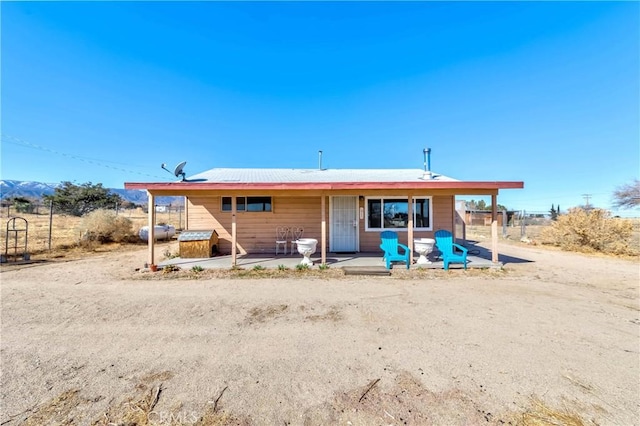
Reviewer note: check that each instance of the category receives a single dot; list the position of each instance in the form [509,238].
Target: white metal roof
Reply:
[239,175]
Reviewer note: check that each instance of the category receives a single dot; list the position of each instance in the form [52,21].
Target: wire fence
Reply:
[511,224]
[44,229]
[521,225]
[41,228]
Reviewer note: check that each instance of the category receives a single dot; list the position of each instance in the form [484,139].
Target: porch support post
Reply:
[323,228]
[494,228]
[453,219]
[234,236]
[410,227]
[186,212]
[152,222]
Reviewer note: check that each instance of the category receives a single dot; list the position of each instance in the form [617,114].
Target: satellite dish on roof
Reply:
[178,171]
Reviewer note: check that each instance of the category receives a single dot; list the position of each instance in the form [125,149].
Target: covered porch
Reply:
[478,258]
[236,257]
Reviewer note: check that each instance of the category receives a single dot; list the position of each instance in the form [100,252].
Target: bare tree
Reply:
[627,196]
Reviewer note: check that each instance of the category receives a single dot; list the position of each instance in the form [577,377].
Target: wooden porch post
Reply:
[323,228]
[410,227]
[453,219]
[152,223]
[494,228]
[234,236]
[186,213]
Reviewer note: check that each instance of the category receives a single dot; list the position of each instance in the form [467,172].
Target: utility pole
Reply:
[586,198]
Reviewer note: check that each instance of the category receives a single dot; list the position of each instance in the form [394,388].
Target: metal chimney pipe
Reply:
[320,160]
[427,159]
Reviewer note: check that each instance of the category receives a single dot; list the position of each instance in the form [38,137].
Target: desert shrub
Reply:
[591,231]
[23,205]
[170,268]
[104,226]
[168,254]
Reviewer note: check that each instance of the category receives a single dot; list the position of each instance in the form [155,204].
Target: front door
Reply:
[344,224]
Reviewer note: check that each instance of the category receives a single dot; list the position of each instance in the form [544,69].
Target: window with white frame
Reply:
[393,213]
[247,204]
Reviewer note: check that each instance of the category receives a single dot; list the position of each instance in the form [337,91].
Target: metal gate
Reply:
[16,240]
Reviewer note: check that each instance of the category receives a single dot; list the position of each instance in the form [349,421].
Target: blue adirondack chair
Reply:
[390,247]
[444,241]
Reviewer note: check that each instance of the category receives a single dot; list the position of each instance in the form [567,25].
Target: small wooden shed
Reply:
[198,244]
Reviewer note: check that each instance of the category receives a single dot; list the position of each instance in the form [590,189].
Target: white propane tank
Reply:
[161,232]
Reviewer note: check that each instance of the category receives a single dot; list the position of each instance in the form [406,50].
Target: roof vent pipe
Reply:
[427,163]
[320,160]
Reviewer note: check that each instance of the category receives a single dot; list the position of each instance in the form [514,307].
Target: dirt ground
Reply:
[93,341]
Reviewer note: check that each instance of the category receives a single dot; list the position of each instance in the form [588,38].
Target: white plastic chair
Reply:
[282,232]
[296,235]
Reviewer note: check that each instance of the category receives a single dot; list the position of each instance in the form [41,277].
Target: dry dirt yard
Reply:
[93,341]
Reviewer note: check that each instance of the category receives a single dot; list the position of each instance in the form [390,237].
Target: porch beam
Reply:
[151,223]
[225,192]
[234,235]
[323,229]
[325,186]
[494,228]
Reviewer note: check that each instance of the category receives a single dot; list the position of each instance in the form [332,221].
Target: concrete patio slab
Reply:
[334,260]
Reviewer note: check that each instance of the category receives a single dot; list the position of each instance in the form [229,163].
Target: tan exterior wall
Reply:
[442,219]
[256,230]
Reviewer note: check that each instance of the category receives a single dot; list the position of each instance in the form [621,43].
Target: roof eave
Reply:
[303,186]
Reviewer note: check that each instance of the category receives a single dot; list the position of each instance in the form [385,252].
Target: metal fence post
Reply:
[50,221]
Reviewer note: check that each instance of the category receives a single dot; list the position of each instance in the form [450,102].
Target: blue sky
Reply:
[542,92]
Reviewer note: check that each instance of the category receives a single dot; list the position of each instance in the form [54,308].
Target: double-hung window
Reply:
[393,213]
[247,204]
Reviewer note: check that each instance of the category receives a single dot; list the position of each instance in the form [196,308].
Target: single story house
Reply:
[344,209]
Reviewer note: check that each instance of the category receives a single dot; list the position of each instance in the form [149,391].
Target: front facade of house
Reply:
[345,210]
[353,222]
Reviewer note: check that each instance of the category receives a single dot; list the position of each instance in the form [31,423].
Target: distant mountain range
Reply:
[27,189]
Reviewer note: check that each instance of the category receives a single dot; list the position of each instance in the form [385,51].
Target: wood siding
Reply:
[442,219]
[256,230]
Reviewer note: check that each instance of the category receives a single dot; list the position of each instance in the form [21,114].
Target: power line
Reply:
[98,162]
[586,197]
